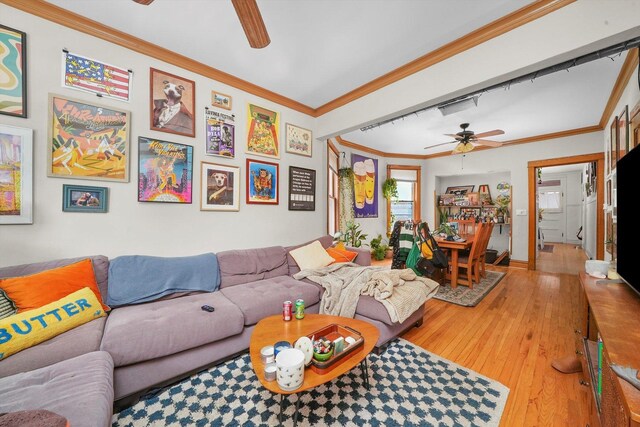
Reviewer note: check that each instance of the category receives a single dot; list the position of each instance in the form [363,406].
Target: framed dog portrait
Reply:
[13,91]
[164,171]
[221,100]
[173,101]
[262,182]
[219,187]
[298,140]
[87,141]
[81,198]
[263,132]
[16,175]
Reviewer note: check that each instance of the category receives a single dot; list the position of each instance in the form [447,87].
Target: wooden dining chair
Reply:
[466,226]
[483,249]
[470,263]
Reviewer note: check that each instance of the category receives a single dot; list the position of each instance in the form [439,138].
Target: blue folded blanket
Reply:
[135,279]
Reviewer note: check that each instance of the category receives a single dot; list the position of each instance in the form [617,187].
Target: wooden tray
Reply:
[332,332]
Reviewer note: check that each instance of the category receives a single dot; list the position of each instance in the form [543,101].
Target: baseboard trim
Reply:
[518,263]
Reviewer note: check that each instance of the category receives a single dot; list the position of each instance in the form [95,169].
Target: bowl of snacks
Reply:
[322,349]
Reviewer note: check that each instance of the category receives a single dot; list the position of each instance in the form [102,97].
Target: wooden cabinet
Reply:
[610,312]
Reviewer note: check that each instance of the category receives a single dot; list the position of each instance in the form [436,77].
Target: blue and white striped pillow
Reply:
[7,307]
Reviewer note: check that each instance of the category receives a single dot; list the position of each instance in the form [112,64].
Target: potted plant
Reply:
[353,236]
[379,248]
[390,189]
[447,230]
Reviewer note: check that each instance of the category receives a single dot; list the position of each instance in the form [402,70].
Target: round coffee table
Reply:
[272,329]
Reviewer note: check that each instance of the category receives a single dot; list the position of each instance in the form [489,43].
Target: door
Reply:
[551,199]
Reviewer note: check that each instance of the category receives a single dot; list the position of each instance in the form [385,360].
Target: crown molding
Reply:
[77,22]
[629,66]
[363,148]
[494,29]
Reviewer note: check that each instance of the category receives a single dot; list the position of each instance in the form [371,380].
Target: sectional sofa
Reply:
[80,373]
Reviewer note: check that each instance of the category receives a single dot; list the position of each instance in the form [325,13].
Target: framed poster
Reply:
[262,182]
[220,133]
[623,135]
[302,189]
[16,175]
[219,187]
[460,190]
[164,171]
[173,101]
[263,132]
[365,186]
[298,140]
[13,68]
[90,75]
[81,198]
[613,145]
[87,141]
[221,100]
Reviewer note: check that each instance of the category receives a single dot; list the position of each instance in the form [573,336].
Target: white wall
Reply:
[513,159]
[131,227]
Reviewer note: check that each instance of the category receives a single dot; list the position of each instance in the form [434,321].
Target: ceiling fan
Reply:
[250,18]
[466,139]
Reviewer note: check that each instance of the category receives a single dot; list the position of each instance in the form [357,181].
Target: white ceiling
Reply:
[322,49]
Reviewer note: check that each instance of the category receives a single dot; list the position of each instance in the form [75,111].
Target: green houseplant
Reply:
[379,247]
[353,235]
[390,189]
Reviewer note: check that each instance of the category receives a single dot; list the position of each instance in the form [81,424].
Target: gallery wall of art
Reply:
[150,173]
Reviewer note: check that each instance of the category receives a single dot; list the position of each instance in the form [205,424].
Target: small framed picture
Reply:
[81,198]
[219,187]
[262,182]
[302,189]
[221,100]
[172,104]
[460,190]
[298,140]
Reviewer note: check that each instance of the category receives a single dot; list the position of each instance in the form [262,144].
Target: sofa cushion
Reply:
[27,329]
[249,265]
[79,389]
[311,256]
[373,309]
[100,265]
[325,241]
[147,331]
[78,341]
[264,298]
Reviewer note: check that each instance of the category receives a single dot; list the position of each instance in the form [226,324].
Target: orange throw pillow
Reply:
[342,255]
[36,290]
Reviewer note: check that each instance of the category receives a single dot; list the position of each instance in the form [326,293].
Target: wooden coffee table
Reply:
[272,329]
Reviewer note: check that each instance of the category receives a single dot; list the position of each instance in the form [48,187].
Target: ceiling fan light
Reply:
[462,148]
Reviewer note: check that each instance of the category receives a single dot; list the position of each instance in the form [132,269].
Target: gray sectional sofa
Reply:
[141,346]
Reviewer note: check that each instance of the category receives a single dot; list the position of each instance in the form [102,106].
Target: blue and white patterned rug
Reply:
[409,387]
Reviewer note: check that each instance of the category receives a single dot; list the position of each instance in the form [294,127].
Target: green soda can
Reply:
[299,309]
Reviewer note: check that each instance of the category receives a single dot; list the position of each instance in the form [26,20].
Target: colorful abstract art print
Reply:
[173,101]
[90,75]
[262,182]
[365,186]
[87,141]
[16,175]
[220,133]
[298,140]
[165,171]
[219,187]
[13,69]
[263,132]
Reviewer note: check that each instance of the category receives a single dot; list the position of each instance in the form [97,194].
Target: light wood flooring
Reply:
[512,336]
[565,258]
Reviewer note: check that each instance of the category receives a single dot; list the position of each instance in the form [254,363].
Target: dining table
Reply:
[454,246]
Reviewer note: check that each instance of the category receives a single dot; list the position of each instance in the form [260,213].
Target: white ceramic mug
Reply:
[290,364]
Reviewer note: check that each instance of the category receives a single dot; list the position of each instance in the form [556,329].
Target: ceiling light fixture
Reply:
[460,105]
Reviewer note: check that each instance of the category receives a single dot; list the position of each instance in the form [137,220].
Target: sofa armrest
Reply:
[364,255]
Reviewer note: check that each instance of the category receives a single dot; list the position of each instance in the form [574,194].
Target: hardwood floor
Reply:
[565,258]
[512,336]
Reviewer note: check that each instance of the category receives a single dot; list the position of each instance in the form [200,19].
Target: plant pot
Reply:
[389,254]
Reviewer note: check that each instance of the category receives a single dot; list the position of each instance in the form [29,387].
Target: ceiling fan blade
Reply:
[452,135]
[490,133]
[488,142]
[144,2]
[438,145]
[252,23]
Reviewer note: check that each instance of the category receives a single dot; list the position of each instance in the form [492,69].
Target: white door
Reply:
[552,202]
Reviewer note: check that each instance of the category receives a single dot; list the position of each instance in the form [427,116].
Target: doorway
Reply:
[533,168]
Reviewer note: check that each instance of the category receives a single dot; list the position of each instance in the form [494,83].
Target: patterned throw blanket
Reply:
[401,292]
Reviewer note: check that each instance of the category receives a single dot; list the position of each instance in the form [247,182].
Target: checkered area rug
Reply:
[409,387]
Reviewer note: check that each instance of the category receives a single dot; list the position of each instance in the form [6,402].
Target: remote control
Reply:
[208,308]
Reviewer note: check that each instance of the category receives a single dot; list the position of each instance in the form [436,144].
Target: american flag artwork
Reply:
[94,76]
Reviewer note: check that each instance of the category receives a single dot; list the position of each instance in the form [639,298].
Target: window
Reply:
[332,188]
[407,206]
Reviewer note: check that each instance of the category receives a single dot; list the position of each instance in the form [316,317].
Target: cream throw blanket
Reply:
[401,292]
